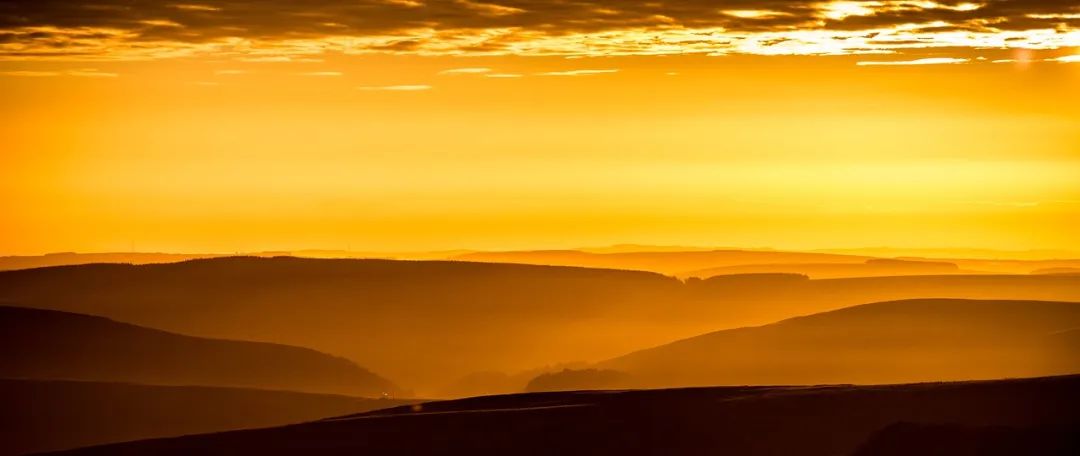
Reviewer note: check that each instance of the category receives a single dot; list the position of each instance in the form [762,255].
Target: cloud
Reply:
[926,61]
[466,71]
[278,59]
[31,74]
[1062,59]
[230,72]
[397,88]
[122,29]
[160,23]
[83,73]
[754,14]
[576,72]
[194,7]
[91,73]
[489,9]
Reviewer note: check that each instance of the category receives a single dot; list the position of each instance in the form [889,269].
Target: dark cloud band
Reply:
[29,27]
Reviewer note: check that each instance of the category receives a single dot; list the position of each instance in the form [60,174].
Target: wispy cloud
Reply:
[91,73]
[754,14]
[194,7]
[1063,59]
[230,72]
[397,88]
[279,59]
[160,23]
[31,74]
[84,73]
[926,61]
[577,72]
[477,70]
[489,9]
[288,30]
[406,3]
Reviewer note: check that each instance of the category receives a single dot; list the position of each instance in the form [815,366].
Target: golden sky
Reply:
[222,126]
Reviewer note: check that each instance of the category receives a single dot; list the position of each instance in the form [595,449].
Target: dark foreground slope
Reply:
[413,320]
[46,415]
[46,344]
[908,439]
[887,342]
[805,421]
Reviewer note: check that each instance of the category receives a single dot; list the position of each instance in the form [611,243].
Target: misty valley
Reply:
[367,352]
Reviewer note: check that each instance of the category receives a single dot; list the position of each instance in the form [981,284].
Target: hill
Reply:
[869,268]
[578,379]
[45,344]
[47,415]
[888,342]
[71,258]
[413,320]
[805,421]
[698,262]
[664,262]
[904,439]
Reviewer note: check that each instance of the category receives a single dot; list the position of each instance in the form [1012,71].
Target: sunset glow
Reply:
[221,126]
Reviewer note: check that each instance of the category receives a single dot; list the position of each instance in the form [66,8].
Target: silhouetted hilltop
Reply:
[665,262]
[888,342]
[688,262]
[47,344]
[1057,271]
[71,258]
[413,320]
[495,382]
[426,323]
[870,268]
[955,252]
[805,421]
[755,299]
[47,415]
[578,379]
[907,439]
[671,260]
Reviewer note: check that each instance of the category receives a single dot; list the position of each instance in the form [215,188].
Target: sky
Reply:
[222,126]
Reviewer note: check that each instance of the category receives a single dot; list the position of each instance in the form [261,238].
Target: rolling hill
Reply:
[46,344]
[888,342]
[71,258]
[869,268]
[707,262]
[805,421]
[47,415]
[664,262]
[414,320]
